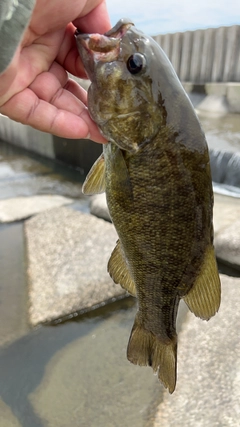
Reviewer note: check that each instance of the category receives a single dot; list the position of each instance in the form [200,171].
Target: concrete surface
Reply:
[226,211]
[102,388]
[24,174]
[13,284]
[208,386]
[67,263]
[213,104]
[233,96]
[219,59]
[26,137]
[77,374]
[19,208]
[227,244]
[98,206]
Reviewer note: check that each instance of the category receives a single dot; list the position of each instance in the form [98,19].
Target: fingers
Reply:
[56,88]
[68,56]
[27,108]
[76,90]
[96,21]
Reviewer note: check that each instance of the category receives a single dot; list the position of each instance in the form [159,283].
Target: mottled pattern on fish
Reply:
[156,174]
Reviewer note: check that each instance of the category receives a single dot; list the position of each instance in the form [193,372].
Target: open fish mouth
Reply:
[103,47]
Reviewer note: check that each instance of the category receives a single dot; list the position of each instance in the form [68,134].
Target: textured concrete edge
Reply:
[50,269]
[227,93]
[26,137]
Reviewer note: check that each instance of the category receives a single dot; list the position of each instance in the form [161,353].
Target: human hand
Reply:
[35,88]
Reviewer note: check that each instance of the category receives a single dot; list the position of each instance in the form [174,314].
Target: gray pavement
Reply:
[67,254]
[19,208]
[13,284]
[208,386]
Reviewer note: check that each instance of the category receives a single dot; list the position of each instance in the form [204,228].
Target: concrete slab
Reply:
[208,387]
[91,363]
[7,419]
[98,206]
[226,221]
[226,211]
[227,244]
[23,207]
[217,89]
[23,175]
[13,284]
[233,96]
[213,104]
[77,374]
[26,137]
[68,253]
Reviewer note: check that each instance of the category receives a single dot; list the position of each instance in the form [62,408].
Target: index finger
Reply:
[96,21]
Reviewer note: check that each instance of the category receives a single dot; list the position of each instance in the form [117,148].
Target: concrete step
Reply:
[208,386]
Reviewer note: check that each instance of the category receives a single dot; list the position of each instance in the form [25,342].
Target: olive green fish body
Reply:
[163,223]
[156,174]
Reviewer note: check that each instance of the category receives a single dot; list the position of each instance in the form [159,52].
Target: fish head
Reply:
[124,97]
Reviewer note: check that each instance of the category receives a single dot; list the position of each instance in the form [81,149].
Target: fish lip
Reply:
[105,47]
[120,29]
[99,47]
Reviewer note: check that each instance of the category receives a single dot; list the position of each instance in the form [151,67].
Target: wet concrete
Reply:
[13,284]
[77,373]
[222,133]
[25,174]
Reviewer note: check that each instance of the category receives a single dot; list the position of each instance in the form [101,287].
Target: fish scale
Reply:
[156,173]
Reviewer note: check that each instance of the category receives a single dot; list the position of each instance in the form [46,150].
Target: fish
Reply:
[155,170]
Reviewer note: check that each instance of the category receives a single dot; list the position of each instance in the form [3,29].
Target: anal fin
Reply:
[95,180]
[119,271]
[204,297]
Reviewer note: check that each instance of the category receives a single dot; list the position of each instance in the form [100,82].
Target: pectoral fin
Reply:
[120,178]
[204,297]
[119,271]
[95,181]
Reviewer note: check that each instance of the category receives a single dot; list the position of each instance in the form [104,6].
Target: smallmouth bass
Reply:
[156,173]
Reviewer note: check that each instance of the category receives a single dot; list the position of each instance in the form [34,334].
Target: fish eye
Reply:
[136,63]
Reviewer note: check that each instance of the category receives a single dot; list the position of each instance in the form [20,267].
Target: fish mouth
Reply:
[101,47]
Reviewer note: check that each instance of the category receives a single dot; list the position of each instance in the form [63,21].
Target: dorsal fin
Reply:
[204,297]
[119,271]
[95,180]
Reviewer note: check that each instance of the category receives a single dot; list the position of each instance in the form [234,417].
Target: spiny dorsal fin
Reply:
[204,297]
[119,271]
[95,181]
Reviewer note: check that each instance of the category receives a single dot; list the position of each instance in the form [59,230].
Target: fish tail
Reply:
[144,348]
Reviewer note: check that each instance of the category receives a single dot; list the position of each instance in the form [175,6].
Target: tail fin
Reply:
[144,349]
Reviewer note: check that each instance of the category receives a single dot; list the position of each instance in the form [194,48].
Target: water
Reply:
[76,373]
[13,289]
[25,174]
[222,132]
